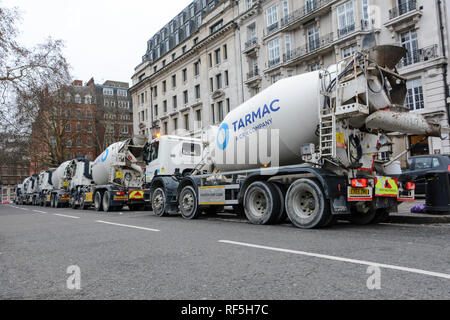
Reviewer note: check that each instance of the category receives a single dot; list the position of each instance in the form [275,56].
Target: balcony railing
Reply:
[272,28]
[274,62]
[298,14]
[253,73]
[310,47]
[420,55]
[346,30]
[402,9]
[251,43]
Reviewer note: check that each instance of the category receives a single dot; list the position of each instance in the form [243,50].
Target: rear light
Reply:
[120,193]
[360,183]
[448,168]
[410,186]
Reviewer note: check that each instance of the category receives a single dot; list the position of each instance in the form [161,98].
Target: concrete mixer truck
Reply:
[45,187]
[305,148]
[79,178]
[32,190]
[59,195]
[118,177]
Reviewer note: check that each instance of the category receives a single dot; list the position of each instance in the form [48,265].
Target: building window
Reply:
[210,60]
[310,5]
[213,118]
[68,127]
[125,129]
[288,47]
[219,81]
[122,93]
[217,56]
[226,78]
[346,18]
[186,122]
[272,16]
[156,110]
[89,128]
[108,92]
[175,124]
[164,86]
[349,51]
[196,68]
[174,102]
[314,67]
[184,75]
[197,92]
[285,9]
[211,84]
[313,38]
[198,115]
[274,52]
[411,44]
[155,91]
[165,126]
[216,27]
[276,78]
[165,106]
[185,97]
[249,4]
[174,81]
[77,99]
[87,100]
[225,52]
[220,110]
[69,143]
[78,127]
[414,99]
[228,106]
[79,143]
[52,142]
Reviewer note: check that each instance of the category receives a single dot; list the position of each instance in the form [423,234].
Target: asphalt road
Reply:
[136,255]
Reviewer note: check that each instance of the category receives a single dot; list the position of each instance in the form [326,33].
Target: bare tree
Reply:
[25,74]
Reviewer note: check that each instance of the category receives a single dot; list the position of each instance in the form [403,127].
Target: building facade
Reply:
[114,113]
[268,40]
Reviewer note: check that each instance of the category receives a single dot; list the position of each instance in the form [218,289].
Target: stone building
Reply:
[113,116]
[267,40]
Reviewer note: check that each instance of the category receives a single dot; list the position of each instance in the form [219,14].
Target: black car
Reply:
[421,165]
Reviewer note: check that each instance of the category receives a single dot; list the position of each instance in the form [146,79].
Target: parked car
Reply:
[421,165]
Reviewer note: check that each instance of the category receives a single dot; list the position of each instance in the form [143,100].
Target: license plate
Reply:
[359,192]
[120,197]
[88,197]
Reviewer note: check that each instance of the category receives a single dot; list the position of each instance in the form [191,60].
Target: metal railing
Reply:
[420,55]
[346,30]
[251,43]
[272,28]
[253,73]
[274,62]
[307,9]
[402,9]
[310,47]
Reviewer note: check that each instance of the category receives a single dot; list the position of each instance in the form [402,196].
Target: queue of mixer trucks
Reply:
[305,150]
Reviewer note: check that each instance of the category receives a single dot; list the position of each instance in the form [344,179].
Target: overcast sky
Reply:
[104,39]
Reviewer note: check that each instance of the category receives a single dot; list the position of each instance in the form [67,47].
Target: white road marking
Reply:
[65,216]
[127,226]
[355,261]
[25,209]
[39,211]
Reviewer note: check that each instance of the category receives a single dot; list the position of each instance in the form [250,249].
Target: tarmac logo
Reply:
[74,280]
[374,280]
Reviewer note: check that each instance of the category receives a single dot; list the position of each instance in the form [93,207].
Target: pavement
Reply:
[136,255]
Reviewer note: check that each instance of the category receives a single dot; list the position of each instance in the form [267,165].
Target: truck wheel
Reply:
[262,203]
[281,188]
[381,216]
[106,204]
[362,219]
[98,201]
[306,205]
[159,202]
[187,203]
[82,204]
[73,204]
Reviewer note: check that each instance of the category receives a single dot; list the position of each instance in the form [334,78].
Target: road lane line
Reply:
[65,216]
[355,261]
[25,209]
[39,211]
[127,226]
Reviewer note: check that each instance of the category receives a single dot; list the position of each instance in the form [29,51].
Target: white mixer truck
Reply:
[32,190]
[59,195]
[79,177]
[45,187]
[118,177]
[306,147]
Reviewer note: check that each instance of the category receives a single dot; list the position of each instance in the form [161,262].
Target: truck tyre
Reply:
[262,203]
[381,216]
[281,188]
[73,204]
[106,205]
[362,219]
[159,203]
[187,203]
[98,205]
[82,204]
[306,205]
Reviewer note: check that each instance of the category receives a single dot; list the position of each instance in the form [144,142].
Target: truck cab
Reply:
[45,187]
[168,155]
